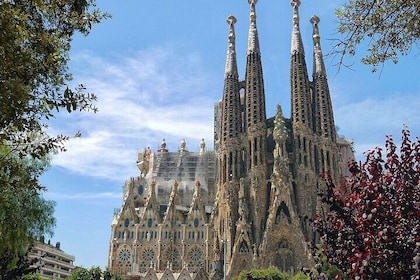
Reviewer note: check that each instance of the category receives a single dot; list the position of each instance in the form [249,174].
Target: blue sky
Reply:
[157,69]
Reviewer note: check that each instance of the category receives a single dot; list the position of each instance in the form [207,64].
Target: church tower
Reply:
[230,154]
[249,203]
[256,131]
[324,125]
[242,189]
[302,125]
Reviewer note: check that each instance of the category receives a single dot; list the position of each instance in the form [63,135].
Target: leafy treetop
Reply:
[370,227]
[35,42]
[390,28]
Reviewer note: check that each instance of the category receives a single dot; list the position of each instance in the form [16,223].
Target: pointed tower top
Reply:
[231,66]
[196,203]
[171,212]
[295,4]
[296,37]
[162,147]
[202,146]
[315,20]
[175,187]
[253,15]
[152,191]
[319,67]
[151,203]
[253,42]
[183,146]
[197,187]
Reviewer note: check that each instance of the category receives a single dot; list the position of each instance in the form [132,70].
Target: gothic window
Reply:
[172,257]
[140,189]
[196,254]
[148,255]
[283,244]
[124,256]
[126,222]
[243,248]
[196,259]
[146,259]
[283,214]
[284,257]
[143,266]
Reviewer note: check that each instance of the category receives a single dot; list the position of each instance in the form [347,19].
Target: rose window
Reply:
[196,257]
[148,255]
[196,254]
[124,256]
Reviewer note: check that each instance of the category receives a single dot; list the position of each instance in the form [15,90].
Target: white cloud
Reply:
[143,98]
[369,120]
[155,94]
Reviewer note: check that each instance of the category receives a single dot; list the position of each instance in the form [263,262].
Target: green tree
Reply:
[93,274]
[323,269]
[32,277]
[271,273]
[35,39]
[300,276]
[370,227]
[24,213]
[390,28]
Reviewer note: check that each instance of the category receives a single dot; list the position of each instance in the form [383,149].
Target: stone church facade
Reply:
[248,203]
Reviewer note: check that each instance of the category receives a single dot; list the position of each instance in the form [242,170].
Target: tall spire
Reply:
[231,65]
[297,45]
[301,98]
[254,82]
[256,130]
[231,115]
[253,42]
[319,66]
[323,112]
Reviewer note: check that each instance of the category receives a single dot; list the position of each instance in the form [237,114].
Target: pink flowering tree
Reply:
[370,224]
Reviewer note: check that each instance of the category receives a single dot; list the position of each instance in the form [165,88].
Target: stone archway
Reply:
[284,258]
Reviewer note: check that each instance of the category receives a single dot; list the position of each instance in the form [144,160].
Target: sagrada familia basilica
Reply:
[247,204]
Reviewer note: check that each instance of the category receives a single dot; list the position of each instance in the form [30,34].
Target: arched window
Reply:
[284,259]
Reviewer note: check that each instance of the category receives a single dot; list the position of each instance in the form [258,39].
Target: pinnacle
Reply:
[295,3]
[231,20]
[315,19]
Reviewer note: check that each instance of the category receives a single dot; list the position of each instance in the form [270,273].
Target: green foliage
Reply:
[301,276]
[24,213]
[390,28]
[271,273]
[34,51]
[95,273]
[35,39]
[17,265]
[32,277]
[323,269]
